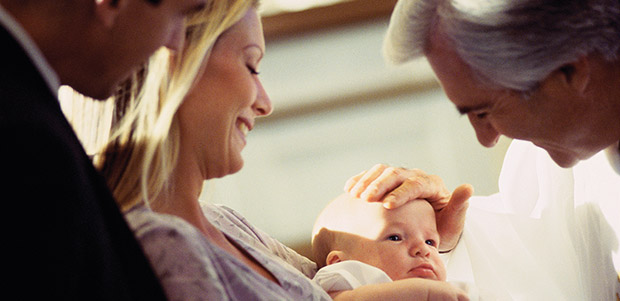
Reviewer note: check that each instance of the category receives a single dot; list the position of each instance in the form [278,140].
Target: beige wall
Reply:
[339,110]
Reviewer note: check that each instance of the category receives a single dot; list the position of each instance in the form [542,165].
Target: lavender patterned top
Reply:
[190,267]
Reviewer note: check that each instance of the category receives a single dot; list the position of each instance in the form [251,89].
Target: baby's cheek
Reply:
[441,271]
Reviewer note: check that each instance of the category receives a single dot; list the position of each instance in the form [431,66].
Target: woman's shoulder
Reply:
[228,220]
[164,235]
[184,261]
[145,222]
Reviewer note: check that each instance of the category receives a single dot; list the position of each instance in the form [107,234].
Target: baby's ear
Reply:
[335,257]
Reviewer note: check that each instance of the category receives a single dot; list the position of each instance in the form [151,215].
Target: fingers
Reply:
[365,179]
[389,179]
[396,186]
[419,186]
[373,183]
[352,181]
[462,296]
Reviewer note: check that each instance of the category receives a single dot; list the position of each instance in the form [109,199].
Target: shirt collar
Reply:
[18,32]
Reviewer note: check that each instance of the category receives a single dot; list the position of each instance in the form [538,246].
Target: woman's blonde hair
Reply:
[138,143]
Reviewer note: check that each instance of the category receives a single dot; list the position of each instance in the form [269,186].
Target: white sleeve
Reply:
[551,233]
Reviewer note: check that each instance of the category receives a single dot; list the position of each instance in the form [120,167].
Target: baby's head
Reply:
[402,242]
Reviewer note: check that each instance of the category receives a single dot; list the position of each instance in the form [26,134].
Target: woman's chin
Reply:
[235,167]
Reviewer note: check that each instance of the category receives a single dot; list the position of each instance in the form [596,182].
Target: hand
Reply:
[404,289]
[441,290]
[395,186]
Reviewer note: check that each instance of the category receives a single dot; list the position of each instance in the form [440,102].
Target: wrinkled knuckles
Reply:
[418,172]
[392,171]
[379,167]
[437,179]
[371,191]
[417,182]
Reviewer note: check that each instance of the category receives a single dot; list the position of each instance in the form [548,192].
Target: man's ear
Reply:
[335,257]
[107,10]
[576,74]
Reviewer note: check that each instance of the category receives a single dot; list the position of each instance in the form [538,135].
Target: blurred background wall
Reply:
[338,110]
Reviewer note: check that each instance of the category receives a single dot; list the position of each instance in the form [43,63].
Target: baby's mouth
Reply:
[423,271]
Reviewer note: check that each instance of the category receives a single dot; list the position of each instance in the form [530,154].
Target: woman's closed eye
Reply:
[253,70]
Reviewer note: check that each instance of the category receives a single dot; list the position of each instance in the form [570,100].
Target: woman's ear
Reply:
[335,257]
[576,74]
[106,11]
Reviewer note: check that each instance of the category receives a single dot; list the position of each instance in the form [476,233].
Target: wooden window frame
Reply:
[290,24]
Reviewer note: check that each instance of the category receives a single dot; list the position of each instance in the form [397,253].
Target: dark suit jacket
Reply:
[64,237]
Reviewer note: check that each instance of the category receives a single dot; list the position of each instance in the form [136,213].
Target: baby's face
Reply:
[402,242]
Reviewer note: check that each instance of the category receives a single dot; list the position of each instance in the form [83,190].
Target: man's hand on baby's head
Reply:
[395,186]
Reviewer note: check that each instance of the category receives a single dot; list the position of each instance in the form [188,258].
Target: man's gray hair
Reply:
[509,43]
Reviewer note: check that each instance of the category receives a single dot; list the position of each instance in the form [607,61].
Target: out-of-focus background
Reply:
[338,110]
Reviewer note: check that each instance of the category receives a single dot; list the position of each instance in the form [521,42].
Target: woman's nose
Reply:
[262,106]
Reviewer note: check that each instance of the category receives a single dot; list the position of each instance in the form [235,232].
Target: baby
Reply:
[364,249]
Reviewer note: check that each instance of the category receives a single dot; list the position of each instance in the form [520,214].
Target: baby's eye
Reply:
[431,242]
[395,237]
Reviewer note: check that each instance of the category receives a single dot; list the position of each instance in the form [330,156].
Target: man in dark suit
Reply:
[64,237]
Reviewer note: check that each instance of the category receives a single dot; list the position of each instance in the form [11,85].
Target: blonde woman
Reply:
[185,118]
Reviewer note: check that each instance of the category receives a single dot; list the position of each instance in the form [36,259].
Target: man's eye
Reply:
[481,115]
[394,237]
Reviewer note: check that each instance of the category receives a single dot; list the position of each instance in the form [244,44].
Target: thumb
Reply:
[451,219]
[460,197]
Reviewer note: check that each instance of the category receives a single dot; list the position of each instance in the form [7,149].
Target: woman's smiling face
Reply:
[221,109]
